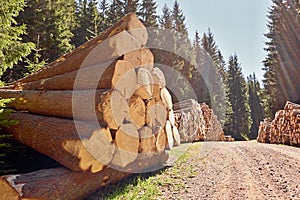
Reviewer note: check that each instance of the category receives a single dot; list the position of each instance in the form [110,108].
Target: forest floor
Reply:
[232,170]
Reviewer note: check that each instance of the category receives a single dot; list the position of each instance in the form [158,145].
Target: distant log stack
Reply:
[197,122]
[284,129]
[103,104]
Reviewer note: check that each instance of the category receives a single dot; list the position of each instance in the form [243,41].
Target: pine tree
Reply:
[103,24]
[88,20]
[12,48]
[147,13]
[255,103]
[237,121]
[214,72]
[281,78]
[114,12]
[49,25]
[131,6]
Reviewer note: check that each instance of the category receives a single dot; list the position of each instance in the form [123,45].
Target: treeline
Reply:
[282,64]
[36,32]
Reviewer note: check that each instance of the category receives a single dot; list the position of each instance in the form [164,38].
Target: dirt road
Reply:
[242,170]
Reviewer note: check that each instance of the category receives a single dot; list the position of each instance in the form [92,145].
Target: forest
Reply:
[34,33]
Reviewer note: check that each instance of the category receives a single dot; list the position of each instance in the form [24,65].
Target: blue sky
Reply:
[238,27]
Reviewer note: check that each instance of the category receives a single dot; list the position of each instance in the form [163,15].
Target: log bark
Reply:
[61,183]
[147,140]
[137,111]
[106,106]
[63,140]
[118,75]
[140,58]
[74,60]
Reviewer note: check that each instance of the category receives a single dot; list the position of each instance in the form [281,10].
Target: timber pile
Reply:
[104,104]
[284,129]
[197,122]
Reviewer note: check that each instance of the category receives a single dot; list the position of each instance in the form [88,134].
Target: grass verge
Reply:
[154,185]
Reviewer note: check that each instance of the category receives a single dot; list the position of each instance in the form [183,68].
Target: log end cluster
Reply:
[284,128]
[197,122]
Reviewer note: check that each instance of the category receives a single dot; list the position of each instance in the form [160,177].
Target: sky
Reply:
[238,27]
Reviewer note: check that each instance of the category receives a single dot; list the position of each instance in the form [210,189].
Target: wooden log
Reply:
[74,60]
[171,117]
[108,106]
[127,142]
[161,139]
[140,58]
[137,111]
[158,77]
[63,140]
[61,183]
[169,133]
[159,82]
[156,113]
[176,136]
[118,75]
[166,98]
[144,84]
[147,140]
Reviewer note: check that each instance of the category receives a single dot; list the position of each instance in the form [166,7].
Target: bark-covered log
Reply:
[107,106]
[137,36]
[142,57]
[65,141]
[118,75]
[63,184]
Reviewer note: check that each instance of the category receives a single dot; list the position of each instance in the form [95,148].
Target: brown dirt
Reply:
[239,170]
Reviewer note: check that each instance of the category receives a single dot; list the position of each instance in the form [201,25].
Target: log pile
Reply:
[284,129]
[104,104]
[197,122]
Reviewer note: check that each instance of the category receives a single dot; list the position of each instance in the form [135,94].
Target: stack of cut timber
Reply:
[103,104]
[213,128]
[197,122]
[284,129]
[190,121]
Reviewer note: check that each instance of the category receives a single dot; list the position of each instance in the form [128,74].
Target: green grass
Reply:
[149,186]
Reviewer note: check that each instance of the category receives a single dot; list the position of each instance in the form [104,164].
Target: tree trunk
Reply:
[147,140]
[137,111]
[65,141]
[127,142]
[76,59]
[105,106]
[118,75]
[63,184]
[144,84]
[140,58]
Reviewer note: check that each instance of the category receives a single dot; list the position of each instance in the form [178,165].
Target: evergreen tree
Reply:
[131,6]
[49,25]
[214,72]
[255,103]
[281,78]
[237,121]
[103,24]
[12,48]
[88,20]
[147,13]
[114,12]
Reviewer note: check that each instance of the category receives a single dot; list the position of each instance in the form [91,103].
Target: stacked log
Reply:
[104,104]
[197,122]
[284,129]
